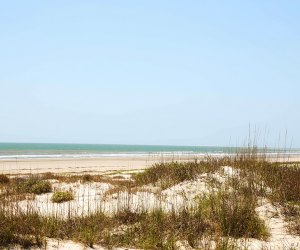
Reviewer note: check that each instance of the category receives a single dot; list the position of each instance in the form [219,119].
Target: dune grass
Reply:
[224,213]
[22,229]
[84,178]
[213,215]
[171,173]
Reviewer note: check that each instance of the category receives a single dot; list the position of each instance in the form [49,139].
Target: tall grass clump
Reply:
[281,178]
[278,181]
[236,216]
[23,229]
[170,173]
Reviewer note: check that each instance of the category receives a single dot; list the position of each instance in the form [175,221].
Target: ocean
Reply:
[60,150]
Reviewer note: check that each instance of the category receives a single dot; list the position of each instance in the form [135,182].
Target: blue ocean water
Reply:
[54,150]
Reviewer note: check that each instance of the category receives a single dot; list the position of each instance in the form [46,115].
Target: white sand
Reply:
[54,244]
[279,238]
[90,197]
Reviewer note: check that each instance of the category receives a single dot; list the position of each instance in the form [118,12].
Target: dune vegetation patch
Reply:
[62,196]
[215,203]
[32,185]
[172,173]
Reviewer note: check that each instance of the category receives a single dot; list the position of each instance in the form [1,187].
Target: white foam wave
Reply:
[134,154]
[107,155]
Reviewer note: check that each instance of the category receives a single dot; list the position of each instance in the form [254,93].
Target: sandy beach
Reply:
[95,165]
[80,165]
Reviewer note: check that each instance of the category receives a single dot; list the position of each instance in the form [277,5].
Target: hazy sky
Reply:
[149,72]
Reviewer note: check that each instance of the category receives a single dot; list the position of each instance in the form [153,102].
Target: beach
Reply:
[123,192]
[34,158]
[20,166]
[81,165]
[108,184]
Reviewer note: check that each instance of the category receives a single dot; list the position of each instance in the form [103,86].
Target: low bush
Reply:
[41,187]
[62,196]
[33,185]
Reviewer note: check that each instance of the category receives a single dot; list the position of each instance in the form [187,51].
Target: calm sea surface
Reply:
[53,150]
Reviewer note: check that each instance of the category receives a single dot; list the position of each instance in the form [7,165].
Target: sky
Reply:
[150,72]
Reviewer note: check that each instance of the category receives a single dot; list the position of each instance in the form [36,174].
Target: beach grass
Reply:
[171,173]
[224,214]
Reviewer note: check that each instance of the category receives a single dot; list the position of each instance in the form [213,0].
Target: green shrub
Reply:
[33,185]
[41,187]
[62,196]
